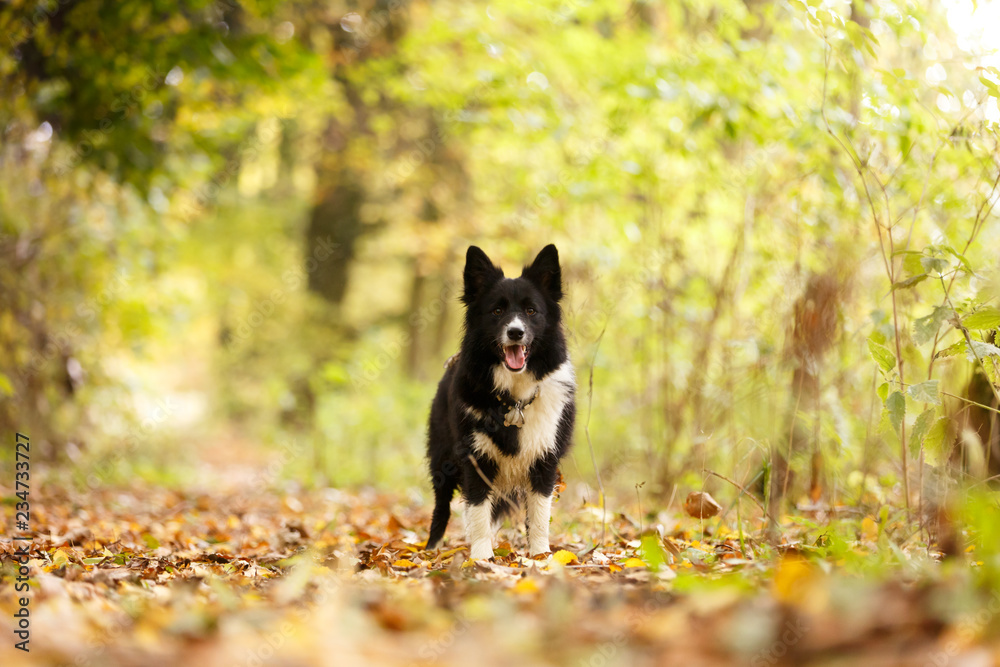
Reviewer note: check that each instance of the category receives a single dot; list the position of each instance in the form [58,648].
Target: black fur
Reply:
[469,383]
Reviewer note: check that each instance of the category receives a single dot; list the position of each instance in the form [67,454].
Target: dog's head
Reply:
[509,317]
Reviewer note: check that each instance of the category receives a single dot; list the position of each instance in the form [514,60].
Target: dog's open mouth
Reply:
[515,356]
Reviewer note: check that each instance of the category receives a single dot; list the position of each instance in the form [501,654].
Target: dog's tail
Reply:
[444,489]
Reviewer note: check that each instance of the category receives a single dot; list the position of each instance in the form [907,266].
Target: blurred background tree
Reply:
[245,221]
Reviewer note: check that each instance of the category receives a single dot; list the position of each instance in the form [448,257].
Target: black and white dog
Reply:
[503,414]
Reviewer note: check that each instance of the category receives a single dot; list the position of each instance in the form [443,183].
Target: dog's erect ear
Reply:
[479,273]
[545,272]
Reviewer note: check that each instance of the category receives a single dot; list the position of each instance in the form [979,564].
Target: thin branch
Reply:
[586,430]
[963,399]
[743,492]
[887,259]
[475,464]
[976,226]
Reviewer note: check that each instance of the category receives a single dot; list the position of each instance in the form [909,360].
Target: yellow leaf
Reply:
[634,562]
[615,568]
[565,557]
[526,586]
[869,529]
[402,562]
[451,552]
[59,559]
[791,578]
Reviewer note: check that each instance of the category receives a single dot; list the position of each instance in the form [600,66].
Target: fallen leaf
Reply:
[701,505]
[869,529]
[560,484]
[565,557]
[790,578]
[526,586]
[59,559]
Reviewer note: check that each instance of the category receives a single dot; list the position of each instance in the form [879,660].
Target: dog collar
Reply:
[515,410]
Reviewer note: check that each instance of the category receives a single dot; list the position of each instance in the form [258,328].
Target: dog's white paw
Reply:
[481,550]
[538,549]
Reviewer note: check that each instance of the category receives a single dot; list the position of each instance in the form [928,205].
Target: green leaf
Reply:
[933,264]
[961,258]
[934,441]
[920,428]
[952,350]
[896,405]
[912,281]
[912,263]
[882,356]
[982,350]
[652,552]
[984,318]
[883,391]
[993,89]
[5,387]
[925,392]
[925,328]
[150,541]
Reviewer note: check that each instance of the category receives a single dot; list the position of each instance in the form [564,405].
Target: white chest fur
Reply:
[541,421]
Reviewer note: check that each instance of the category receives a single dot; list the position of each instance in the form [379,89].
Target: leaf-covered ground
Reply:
[247,575]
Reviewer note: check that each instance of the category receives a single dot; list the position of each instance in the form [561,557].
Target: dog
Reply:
[503,414]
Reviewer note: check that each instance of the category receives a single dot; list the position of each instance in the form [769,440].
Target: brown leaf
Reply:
[394,525]
[701,505]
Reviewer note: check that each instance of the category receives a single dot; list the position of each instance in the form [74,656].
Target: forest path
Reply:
[242,572]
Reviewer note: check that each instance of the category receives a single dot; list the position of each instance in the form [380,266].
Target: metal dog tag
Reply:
[515,417]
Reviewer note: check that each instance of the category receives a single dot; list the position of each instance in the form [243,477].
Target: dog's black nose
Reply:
[515,334]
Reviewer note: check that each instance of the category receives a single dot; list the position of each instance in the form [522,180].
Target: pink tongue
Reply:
[515,356]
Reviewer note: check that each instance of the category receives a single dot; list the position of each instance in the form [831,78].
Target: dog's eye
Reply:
[498,311]
[530,311]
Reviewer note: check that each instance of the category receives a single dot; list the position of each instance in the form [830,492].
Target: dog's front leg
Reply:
[539,512]
[479,528]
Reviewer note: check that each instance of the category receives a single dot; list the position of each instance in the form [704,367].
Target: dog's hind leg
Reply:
[444,489]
